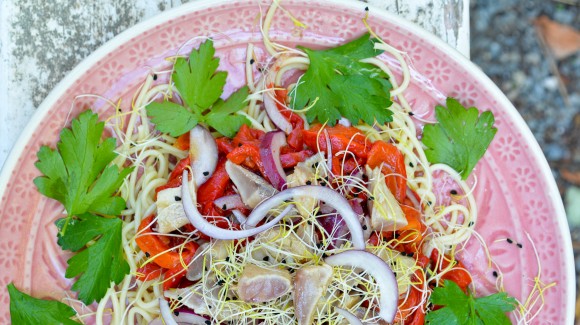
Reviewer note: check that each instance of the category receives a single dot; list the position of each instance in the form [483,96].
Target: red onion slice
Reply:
[202,225]
[348,316]
[270,154]
[379,270]
[168,318]
[166,313]
[274,114]
[320,193]
[240,217]
[203,153]
[230,202]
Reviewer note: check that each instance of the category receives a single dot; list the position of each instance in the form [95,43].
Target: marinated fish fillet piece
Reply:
[260,284]
[310,283]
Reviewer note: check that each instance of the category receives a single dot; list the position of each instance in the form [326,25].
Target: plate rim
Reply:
[533,146]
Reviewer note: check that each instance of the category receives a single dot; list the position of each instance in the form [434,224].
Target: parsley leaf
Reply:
[460,138]
[25,310]
[200,85]
[171,118]
[81,176]
[220,117]
[99,264]
[460,308]
[198,81]
[337,84]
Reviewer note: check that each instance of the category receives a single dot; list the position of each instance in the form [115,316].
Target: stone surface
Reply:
[40,41]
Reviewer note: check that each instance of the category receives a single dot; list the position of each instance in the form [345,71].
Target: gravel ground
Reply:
[511,55]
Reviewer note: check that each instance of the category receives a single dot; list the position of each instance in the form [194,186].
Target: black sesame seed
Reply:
[177,198]
[411,164]
[495,274]
[179,298]
[429,203]
[308,183]
[510,241]
[147,254]
[364,227]
[224,207]
[252,61]
[453,192]
[411,113]
[520,245]
[205,173]
[266,258]
[309,222]
[283,261]
[176,313]
[227,258]
[155,77]
[366,8]
[371,198]
[119,110]
[470,223]
[207,322]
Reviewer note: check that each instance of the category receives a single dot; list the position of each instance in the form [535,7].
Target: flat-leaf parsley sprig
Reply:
[338,84]
[80,175]
[460,138]
[200,86]
[464,309]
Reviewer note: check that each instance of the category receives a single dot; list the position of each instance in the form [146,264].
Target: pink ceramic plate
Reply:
[516,193]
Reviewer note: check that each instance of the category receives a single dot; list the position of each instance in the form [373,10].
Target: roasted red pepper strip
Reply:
[152,245]
[173,276]
[175,176]
[247,135]
[224,145]
[341,138]
[150,271]
[393,165]
[292,159]
[214,188]
[182,142]
[457,274]
[414,222]
[249,156]
[406,306]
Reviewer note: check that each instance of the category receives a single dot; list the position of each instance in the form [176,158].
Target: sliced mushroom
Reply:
[252,188]
[170,213]
[386,214]
[306,173]
[260,284]
[310,283]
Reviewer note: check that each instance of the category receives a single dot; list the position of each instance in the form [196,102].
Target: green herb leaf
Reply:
[171,118]
[460,308]
[78,174]
[221,115]
[26,310]
[337,84]
[101,263]
[460,138]
[198,81]
[81,176]
[200,85]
